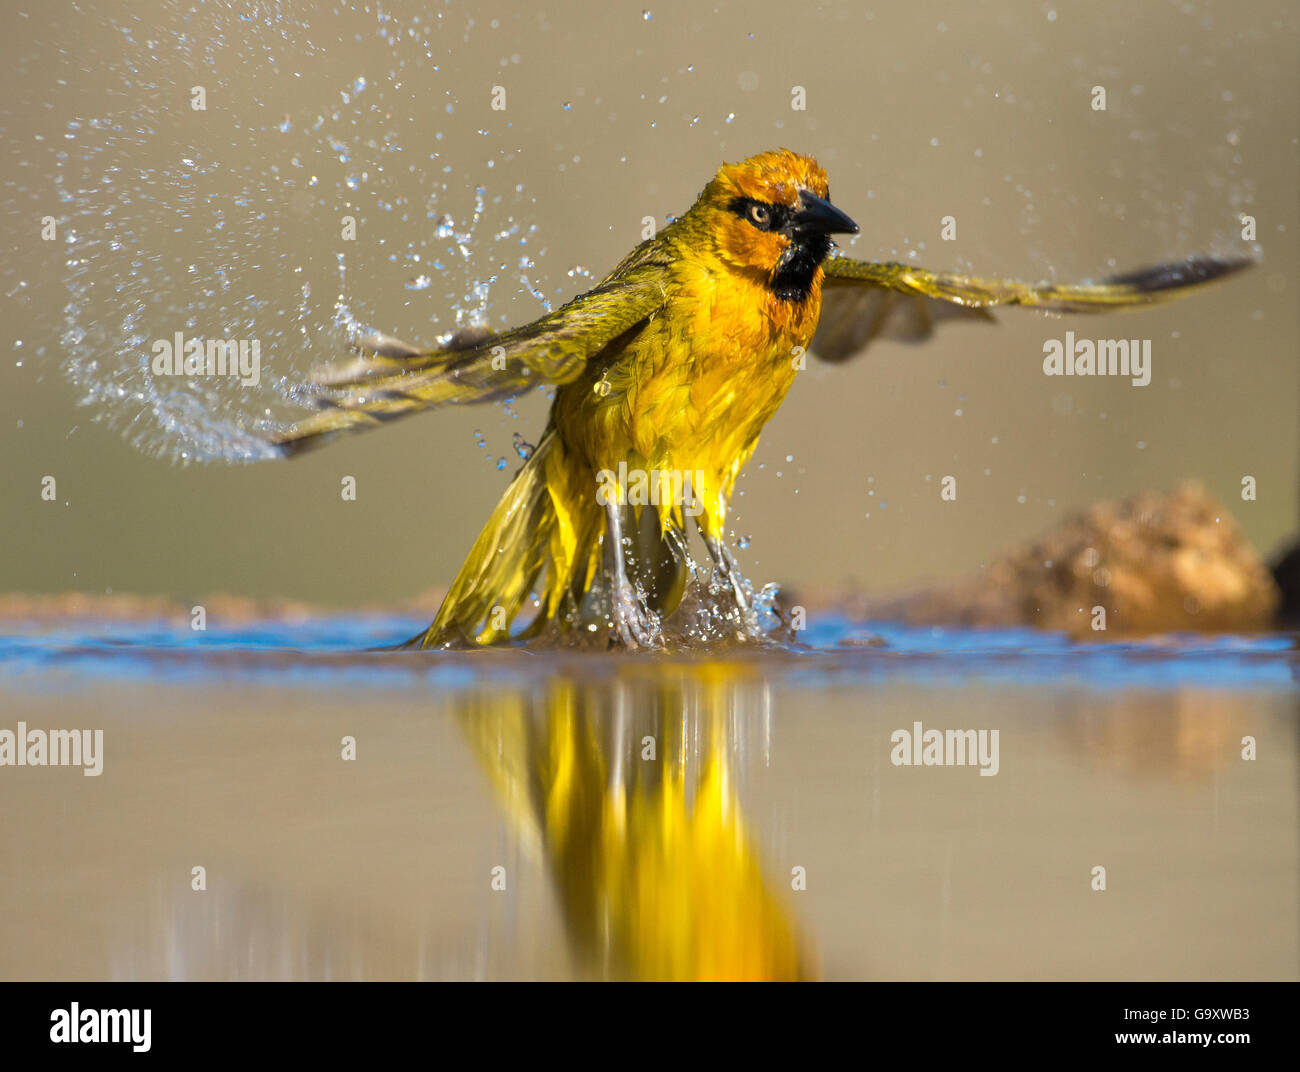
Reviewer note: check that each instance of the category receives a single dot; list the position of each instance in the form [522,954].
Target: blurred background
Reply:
[227,222]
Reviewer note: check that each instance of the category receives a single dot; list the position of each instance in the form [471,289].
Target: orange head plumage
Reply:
[771,215]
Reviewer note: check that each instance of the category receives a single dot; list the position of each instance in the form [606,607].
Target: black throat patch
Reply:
[792,281]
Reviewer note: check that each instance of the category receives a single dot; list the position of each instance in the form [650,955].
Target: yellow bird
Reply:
[657,872]
[667,372]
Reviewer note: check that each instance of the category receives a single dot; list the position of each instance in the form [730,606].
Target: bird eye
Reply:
[759,215]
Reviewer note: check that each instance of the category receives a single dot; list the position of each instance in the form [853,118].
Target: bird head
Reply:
[771,215]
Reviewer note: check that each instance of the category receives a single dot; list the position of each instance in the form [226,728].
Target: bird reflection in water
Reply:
[625,785]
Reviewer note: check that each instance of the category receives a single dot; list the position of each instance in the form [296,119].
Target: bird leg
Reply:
[632,624]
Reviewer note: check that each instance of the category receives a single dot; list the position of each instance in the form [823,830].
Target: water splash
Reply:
[169,239]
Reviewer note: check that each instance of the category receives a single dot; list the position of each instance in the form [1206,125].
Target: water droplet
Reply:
[522,447]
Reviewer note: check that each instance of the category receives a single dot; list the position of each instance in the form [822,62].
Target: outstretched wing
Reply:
[863,301]
[390,379]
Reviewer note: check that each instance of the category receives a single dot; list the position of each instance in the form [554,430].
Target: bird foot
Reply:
[634,626]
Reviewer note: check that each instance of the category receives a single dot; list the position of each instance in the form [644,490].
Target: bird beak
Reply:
[818,216]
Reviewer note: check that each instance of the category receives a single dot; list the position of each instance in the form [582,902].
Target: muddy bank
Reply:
[1153,563]
[60,607]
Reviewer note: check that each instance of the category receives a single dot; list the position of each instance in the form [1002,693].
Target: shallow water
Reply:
[654,816]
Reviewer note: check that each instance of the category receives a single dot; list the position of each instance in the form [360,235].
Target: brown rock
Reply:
[1155,563]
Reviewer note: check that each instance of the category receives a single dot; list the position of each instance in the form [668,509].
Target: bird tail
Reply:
[545,530]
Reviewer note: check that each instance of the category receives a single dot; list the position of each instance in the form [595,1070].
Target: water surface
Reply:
[658,816]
